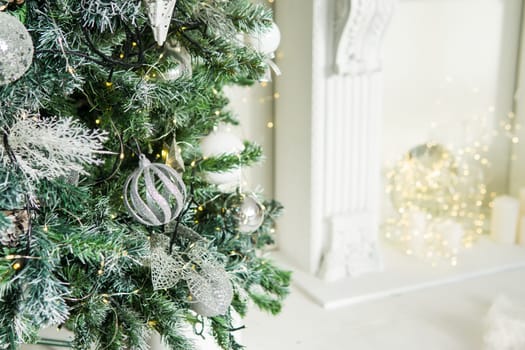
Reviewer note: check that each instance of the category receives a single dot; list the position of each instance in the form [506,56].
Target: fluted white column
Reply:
[328,128]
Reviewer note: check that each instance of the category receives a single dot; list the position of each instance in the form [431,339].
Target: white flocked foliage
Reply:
[50,148]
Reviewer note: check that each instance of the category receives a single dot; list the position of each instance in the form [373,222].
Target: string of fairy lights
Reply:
[440,196]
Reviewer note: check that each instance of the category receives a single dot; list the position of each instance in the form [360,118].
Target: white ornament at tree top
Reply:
[218,143]
[267,43]
[154,194]
[16,49]
[159,14]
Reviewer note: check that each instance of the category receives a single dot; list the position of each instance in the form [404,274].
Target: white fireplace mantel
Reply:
[327,154]
[328,133]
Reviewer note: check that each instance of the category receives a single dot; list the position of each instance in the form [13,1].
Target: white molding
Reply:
[353,121]
[359,29]
[327,136]
[404,274]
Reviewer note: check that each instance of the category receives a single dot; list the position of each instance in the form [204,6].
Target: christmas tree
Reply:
[117,215]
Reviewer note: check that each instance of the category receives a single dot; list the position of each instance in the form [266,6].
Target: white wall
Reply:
[254,108]
[450,68]
[517,177]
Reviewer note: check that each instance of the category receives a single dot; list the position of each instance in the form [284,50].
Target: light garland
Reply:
[438,195]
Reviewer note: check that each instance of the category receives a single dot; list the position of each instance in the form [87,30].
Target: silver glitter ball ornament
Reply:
[154,194]
[16,49]
[247,210]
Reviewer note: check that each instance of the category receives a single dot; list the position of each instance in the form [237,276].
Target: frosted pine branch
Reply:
[50,148]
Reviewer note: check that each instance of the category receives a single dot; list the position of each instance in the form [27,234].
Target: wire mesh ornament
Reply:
[166,270]
[208,282]
[247,211]
[154,194]
[16,49]
[159,14]
[19,224]
[211,290]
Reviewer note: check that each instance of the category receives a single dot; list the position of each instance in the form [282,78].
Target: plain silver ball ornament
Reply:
[247,211]
[154,194]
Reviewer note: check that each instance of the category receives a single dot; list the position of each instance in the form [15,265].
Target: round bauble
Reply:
[174,51]
[216,144]
[154,194]
[220,142]
[227,180]
[16,49]
[173,73]
[247,211]
[266,42]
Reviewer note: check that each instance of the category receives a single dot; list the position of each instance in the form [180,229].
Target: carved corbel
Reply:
[360,26]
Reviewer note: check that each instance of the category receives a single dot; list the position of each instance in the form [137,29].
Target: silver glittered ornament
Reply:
[159,14]
[154,194]
[208,282]
[247,211]
[211,291]
[166,269]
[16,49]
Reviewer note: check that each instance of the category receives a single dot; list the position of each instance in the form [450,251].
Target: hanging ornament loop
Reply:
[8,149]
[29,206]
[29,225]
[173,235]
